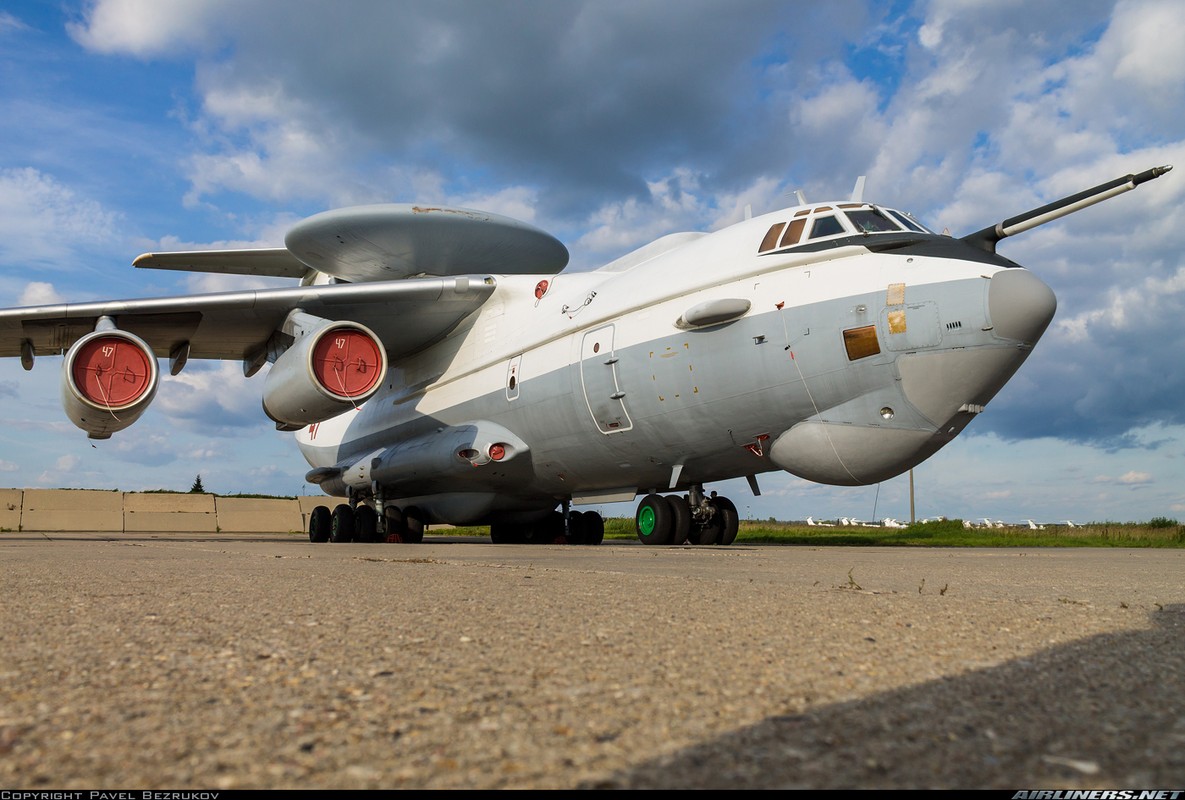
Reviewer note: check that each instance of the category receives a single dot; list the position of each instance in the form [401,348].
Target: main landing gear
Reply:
[360,524]
[584,527]
[694,518]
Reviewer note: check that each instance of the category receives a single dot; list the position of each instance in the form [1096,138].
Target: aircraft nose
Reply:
[1020,305]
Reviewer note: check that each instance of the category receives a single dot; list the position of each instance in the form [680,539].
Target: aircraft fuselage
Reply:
[845,362]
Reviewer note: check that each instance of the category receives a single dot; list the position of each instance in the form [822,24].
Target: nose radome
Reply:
[1020,305]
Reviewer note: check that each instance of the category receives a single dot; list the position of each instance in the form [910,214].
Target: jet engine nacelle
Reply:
[108,379]
[325,372]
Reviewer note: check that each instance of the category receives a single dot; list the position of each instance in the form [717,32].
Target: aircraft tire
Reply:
[680,518]
[594,528]
[319,525]
[503,533]
[341,524]
[393,524]
[653,520]
[708,532]
[413,525]
[727,513]
[366,524]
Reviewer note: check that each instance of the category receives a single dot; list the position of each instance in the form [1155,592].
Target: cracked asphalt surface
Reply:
[229,661]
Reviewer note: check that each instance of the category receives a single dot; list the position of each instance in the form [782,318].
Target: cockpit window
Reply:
[826,226]
[771,237]
[870,220]
[906,220]
[793,232]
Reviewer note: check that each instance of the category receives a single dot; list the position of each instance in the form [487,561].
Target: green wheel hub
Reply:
[646,520]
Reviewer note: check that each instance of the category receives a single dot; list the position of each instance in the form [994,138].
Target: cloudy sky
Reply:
[135,125]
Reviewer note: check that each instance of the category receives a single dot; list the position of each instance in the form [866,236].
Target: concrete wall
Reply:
[242,514]
[72,510]
[107,512]
[193,513]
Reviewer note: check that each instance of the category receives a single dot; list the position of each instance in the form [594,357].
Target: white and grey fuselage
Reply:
[844,358]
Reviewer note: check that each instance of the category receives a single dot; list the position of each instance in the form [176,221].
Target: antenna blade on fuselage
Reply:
[858,190]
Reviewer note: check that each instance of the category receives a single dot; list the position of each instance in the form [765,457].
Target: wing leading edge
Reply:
[407,315]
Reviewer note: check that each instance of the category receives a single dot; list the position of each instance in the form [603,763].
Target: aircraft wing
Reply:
[405,314]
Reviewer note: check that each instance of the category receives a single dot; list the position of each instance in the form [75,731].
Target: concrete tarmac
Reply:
[224,661]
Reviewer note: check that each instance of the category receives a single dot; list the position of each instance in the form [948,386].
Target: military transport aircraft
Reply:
[438,365]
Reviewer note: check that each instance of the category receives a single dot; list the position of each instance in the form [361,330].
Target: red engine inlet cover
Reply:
[112,372]
[347,362]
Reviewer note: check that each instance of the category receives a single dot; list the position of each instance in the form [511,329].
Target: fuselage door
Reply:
[599,380]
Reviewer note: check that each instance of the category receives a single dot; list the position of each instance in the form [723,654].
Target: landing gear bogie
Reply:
[676,519]
[586,528]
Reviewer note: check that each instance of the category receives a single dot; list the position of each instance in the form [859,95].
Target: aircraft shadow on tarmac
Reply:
[1106,711]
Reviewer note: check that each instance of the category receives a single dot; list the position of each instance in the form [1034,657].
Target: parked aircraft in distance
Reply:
[850,522]
[438,366]
[1028,523]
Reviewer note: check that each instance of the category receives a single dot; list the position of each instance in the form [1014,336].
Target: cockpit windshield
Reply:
[907,221]
[871,220]
[828,222]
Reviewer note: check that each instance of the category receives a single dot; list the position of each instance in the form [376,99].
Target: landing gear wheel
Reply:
[653,520]
[413,523]
[680,518]
[319,525]
[502,533]
[341,524]
[594,527]
[366,524]
[393,523]
[708,532]
[730,520]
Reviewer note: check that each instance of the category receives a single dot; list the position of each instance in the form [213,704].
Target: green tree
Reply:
[197,487]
